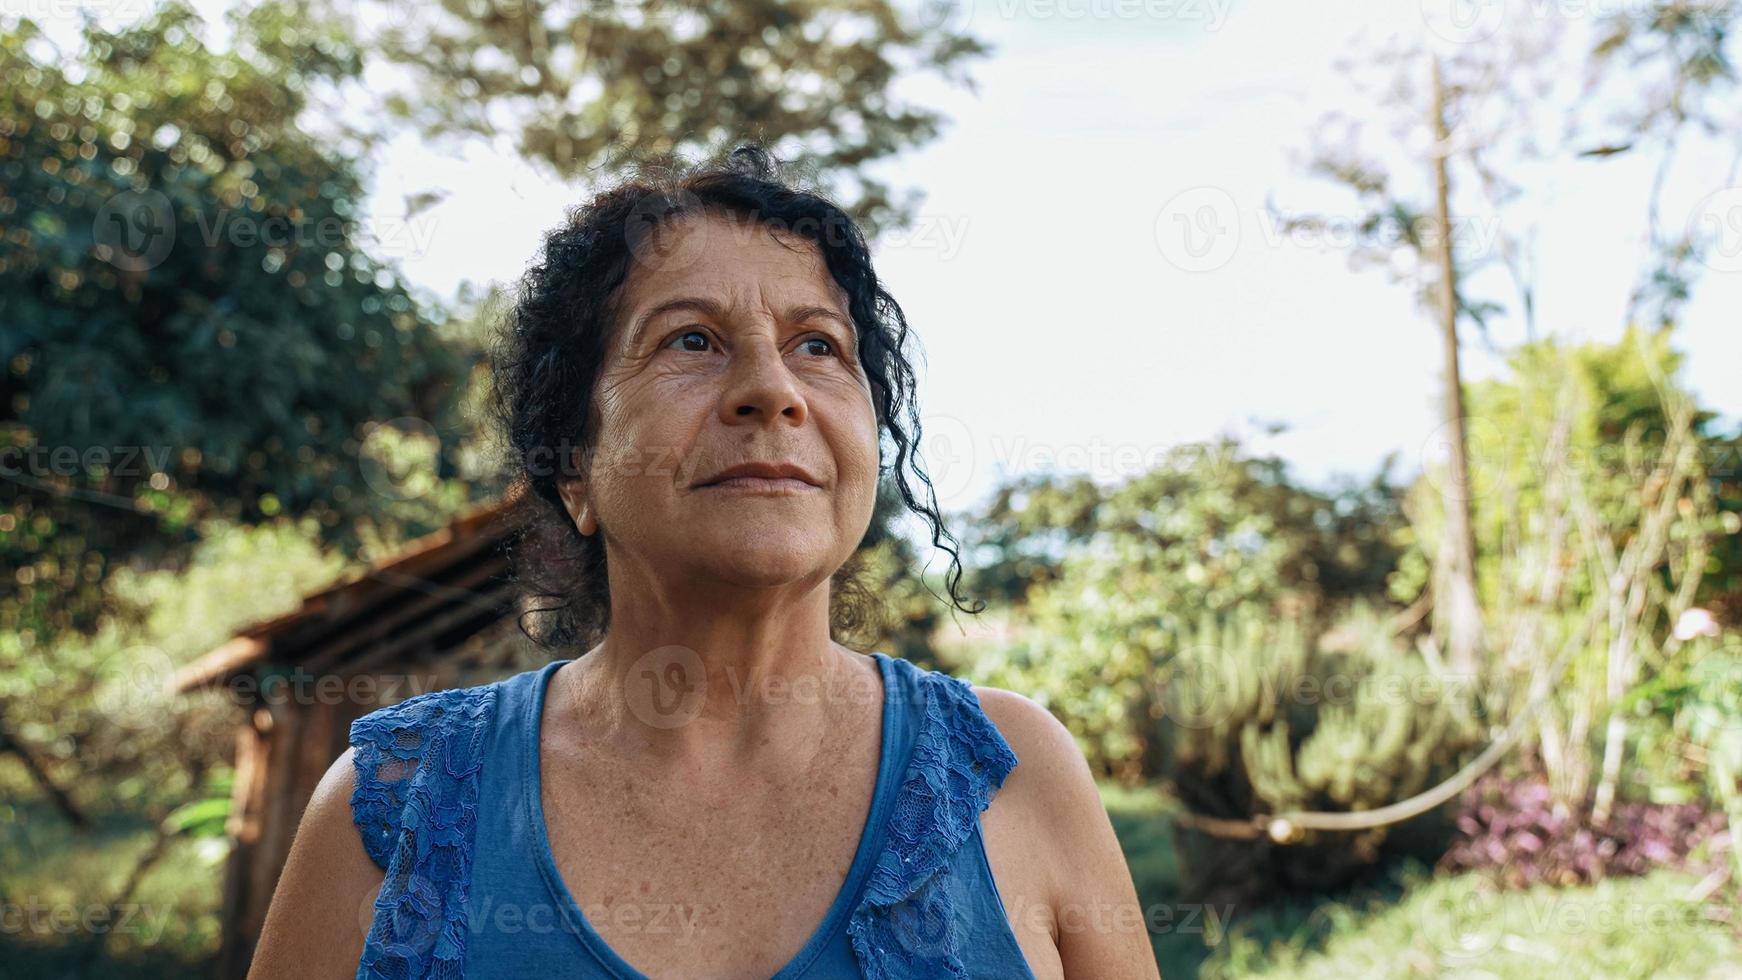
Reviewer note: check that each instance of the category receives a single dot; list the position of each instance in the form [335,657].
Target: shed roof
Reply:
[436,591]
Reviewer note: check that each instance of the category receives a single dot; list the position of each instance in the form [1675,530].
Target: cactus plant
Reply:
[1256,717]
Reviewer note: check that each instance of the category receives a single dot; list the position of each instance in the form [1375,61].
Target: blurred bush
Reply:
[1102,585]
[1212,626]
[1602,516]
[1258,717]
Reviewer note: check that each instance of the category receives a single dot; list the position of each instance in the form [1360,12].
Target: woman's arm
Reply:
[1054,809]
[323,905]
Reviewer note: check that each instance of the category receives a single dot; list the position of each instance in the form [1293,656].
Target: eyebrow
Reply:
[707,307]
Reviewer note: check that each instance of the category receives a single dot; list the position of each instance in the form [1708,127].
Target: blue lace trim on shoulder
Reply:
[415,804]
[904,925]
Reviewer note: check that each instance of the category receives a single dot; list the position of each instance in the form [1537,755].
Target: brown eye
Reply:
[684,338]
[828,346]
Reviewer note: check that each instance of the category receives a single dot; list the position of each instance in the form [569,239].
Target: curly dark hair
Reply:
[552,344]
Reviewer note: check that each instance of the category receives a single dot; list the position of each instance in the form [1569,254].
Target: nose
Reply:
[760,387]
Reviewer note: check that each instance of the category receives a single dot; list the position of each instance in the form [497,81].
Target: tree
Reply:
[1497,107]
[1600,524]
[199,334]
[586,88]
[1457,553]
[1020,537]
[1105,599]
[192,324]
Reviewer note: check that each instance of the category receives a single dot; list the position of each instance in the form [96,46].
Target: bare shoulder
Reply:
[326,821]
[1051,773]
[1048,834]
[323,903]
[1015,713]
[336,785]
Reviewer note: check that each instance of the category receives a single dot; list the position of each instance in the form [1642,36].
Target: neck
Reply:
[716,678]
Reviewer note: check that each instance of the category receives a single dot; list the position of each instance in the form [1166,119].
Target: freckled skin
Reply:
[691,393]
[746,817]
[729,814]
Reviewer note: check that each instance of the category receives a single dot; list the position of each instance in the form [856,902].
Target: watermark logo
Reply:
[941,234]
[1196,693]
[1212,14]
[398,457]
[647,232]
[135,687]
[1198,230]
[366,915]
[387,237]
[1716,222]
[1486,448]
[947,447]
[71,11]
[1463,21]
[1471,237]
[666,686]
[134,230]
[948,16]
[1462,925]
[37,917]
[922,927]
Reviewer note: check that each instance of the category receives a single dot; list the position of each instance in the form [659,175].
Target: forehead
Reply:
[741,263]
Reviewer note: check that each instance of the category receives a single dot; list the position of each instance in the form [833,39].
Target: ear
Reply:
[574,493]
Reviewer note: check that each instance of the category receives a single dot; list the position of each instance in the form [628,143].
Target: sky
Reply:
[1093,274]
[1068,323]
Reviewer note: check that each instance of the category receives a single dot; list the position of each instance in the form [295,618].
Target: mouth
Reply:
[763,478]
[778,486]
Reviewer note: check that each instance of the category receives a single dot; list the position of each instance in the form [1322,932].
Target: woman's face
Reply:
[730,348]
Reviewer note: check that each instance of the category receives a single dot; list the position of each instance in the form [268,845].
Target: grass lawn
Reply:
[1420,925]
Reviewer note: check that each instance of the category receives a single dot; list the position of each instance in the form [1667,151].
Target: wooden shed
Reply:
[437,614]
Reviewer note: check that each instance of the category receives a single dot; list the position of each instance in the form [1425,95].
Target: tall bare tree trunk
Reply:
[1456,574]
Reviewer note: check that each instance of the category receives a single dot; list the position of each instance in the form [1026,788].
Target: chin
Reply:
[764,560]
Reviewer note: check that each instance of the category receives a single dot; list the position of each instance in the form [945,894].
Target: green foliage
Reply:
[1022,534]
[1178,625]
[898,607]
[1570,486]
[1407,922]
[1256,717]
[1706,700]
[586,89]
[171,930]
[1610,398]
[1461,926]
[99,709]
[201,818]
[206,818]
[236,573]
[1591,412]
[1688,736]
[100,716]
[1109,599]
[192,326]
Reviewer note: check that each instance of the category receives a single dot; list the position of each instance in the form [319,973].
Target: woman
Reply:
[697,381]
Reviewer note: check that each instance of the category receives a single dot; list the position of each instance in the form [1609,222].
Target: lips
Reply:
[763,486]
[752,474]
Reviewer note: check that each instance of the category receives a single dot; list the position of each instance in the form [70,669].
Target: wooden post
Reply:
[247,805]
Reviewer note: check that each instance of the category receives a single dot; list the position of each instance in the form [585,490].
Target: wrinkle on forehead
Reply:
[725,280]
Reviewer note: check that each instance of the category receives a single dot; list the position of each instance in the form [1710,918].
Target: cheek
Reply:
[641,454]
[856,457]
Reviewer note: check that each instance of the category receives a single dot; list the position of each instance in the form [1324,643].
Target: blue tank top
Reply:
[448,804]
